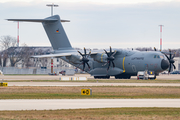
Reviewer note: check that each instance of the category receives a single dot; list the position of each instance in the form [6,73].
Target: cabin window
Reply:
[154,56]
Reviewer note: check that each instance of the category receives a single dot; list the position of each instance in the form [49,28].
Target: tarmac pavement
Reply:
[54,104]
[89,77]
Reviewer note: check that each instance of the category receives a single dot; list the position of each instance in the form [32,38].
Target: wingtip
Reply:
[65,20]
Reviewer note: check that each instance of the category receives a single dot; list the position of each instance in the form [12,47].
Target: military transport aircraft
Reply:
[120,63]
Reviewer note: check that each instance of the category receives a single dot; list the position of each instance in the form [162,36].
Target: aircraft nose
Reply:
[164,64]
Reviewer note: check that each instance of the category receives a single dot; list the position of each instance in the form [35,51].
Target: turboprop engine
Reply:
[100,57]
[74,59]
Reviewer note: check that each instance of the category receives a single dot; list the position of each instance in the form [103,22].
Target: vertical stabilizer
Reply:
[56,33]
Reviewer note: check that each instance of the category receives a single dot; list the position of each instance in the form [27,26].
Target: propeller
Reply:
[154,49]
[110,58]
[85,59]
[170,58]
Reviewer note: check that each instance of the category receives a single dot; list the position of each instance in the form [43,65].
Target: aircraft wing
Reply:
[93,53]
[52,55]
[60,54]
[65,53]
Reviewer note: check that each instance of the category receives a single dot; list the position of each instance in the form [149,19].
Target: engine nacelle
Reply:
[74,59]
[100,57]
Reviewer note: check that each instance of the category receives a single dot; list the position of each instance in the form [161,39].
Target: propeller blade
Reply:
[113,64]
[169,68]
[106,53]
[105,64]
[154,49]
[110,58]
[89,54]
[80,53]
[170,56]
[109,65]
[85,59]
[167,57]
[88,65]
[83,65]
[110,51]
[174,66]
[85,51]
[174,55]
[114,53]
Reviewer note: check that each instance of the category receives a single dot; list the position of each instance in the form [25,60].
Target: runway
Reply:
[54,104]
[87,84]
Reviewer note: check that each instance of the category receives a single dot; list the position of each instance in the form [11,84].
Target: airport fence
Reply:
[14,70]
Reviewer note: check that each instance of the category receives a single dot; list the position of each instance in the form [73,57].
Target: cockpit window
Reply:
[157,56]
[161,56]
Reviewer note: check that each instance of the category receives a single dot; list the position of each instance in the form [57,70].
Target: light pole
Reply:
[18,34]
[161,36]
[52,5]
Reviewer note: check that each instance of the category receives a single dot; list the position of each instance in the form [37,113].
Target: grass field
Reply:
[109,92]
[96,114]
[98,92]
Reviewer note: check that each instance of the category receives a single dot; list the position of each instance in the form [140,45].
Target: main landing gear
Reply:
[101,77]
[123,76]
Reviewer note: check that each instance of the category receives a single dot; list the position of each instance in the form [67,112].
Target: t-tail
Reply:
[54,31]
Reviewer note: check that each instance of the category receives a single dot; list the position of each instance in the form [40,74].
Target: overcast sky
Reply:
[97,23]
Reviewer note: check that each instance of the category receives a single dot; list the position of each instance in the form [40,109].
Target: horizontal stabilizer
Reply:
[37,20]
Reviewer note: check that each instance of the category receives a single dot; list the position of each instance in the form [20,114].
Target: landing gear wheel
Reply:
[101,77]
[154,77]
[125,76]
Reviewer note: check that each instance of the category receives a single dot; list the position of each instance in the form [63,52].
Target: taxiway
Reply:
[89,77]
[54,104]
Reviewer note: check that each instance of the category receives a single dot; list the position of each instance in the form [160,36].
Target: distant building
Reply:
[177,63]
[26,52]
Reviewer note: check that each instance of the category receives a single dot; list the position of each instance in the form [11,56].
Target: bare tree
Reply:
[7,42]
[39,62]
[3,58]
[26,54]
[43,61]
[15,54]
